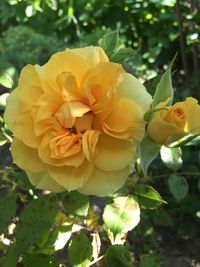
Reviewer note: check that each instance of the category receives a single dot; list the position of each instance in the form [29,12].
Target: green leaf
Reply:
[151,84]
[31,260]
[8,208]
[148,152]
[3,139]
[118,255]
[122,215]
[109,42]
[9,260]
[147,196]
[80,251]
[35,220]
[121,55]
[149,261]
[171,157]
[178,186]
[75,203]
[164,88]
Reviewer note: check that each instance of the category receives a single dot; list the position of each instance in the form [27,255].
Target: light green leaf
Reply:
[35,220]
[109,42]
[178,186]
[8,208]
[164,88]
[121,55]
[148,152]
[80,251]
[171,157]
[31,260]
[147,196]
[75,203]
[122,215]
[118,255]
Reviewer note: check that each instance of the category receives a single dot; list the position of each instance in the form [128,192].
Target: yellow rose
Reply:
[77,122]
[172,123]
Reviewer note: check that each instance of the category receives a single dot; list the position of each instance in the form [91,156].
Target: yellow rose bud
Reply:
[77,122]
[172,123]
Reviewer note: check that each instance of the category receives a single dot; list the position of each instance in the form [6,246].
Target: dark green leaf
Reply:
[80,251]
[35,220]
[31,260]
[178,186]
[8,208]
[118,255]
[122,215]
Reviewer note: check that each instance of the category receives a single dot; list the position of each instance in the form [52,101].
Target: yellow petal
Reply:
[132,88]
[65,61]
[69,177]
[113,154]
[24,130]
[160,131]
[12,109]
[45,153]
[92,54]
[30,87]
[89,142]
[193,116]
[125,117]
[102,183]
[43,181]
[25,157]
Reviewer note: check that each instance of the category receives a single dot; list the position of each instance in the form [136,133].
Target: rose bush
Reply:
[172,123]
[77,122]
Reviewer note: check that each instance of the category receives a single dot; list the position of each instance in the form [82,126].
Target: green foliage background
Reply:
[32,222]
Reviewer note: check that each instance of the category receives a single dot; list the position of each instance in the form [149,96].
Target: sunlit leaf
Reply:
[178,186]
[122,215]
[172,157]
[118,255]
[75,203]
[80,251]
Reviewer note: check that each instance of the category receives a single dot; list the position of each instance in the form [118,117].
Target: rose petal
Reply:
[25,157]
[113,154]
[132,88]
[102,183]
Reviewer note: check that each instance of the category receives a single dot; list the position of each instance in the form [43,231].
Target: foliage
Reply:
[69,229]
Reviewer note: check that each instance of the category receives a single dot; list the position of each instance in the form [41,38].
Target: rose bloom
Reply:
[77,122]
[172,123]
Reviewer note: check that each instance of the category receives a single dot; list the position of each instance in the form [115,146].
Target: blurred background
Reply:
[154,30]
